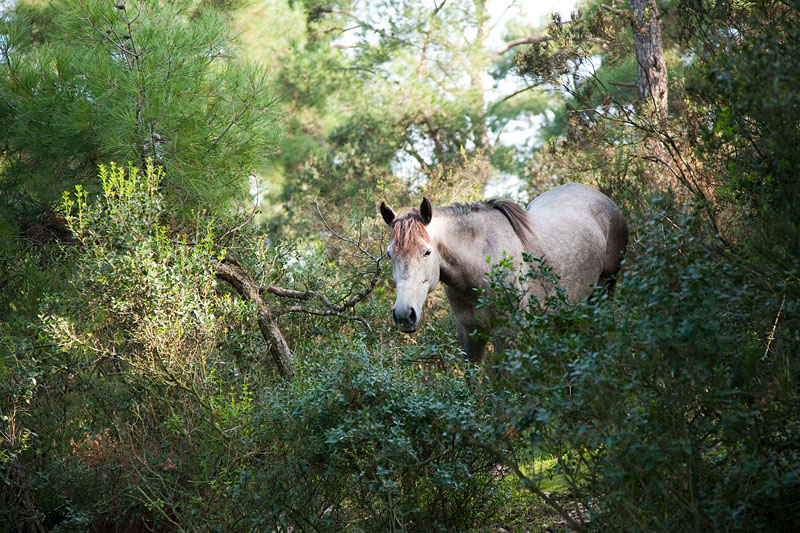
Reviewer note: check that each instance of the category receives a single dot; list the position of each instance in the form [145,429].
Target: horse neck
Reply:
[463,242]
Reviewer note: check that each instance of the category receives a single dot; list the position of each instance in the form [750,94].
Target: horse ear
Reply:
[426,211]
[387,213]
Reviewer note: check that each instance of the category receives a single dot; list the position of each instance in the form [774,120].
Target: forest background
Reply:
[194,298]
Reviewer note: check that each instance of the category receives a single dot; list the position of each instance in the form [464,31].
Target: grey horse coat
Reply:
[578,230]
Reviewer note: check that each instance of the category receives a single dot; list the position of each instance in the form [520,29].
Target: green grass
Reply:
[526,511]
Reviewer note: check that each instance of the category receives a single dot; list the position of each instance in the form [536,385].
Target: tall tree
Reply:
[613,63]
[407,89]
[84,82]
[651,83]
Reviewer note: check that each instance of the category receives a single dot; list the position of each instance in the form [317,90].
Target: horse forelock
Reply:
[409,231]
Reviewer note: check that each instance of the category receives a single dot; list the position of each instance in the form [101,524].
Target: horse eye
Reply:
[427,253]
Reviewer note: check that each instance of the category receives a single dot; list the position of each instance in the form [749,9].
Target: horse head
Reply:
[415,262]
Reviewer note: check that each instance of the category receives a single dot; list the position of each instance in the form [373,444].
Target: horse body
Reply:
[578,230]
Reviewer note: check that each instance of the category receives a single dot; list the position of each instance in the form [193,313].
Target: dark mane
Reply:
[516,215]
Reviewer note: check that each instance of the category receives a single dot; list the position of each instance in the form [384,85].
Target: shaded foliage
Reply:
[136,391]
[662,405]
[751,112]
[361,442]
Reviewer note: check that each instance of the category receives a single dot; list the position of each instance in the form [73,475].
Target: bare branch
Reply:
[323,312]
[523,40]
[503,459]
[620,12]
[345,239]
[289,293]
[543,39]
[247,220]
[230,271]
[771,336]
[512,95]
[234,120]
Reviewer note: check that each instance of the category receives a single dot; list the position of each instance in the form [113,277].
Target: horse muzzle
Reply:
[406,320]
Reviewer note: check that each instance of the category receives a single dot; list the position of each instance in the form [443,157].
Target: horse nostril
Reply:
[394,316]
[412,315]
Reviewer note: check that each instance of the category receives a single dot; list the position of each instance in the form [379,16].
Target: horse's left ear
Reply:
[387,213]
[426,211]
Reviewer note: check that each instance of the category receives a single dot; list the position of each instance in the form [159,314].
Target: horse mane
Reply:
[409,229]
[516,215]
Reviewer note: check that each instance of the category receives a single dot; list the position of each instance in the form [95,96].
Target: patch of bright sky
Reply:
[520,133]
[533,11]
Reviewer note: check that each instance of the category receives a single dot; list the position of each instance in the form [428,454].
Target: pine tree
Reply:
[87,82]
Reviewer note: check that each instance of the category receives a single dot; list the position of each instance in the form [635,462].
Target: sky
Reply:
[518,132]
[531,10]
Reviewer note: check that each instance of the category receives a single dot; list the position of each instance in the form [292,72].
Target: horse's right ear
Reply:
[387,213]
[426,211]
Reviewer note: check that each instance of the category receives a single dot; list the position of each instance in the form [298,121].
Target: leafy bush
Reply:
[361,443]
[136,354]
[661,405]
[749,126]
[143,400]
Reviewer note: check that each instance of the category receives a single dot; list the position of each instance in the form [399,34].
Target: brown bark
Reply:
[652,80]
[246,286]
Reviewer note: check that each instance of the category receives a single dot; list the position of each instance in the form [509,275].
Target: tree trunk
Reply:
[652,81]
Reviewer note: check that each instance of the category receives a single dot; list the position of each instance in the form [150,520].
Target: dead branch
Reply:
[230,271]
[771,336]
[322,312]
[505,47]
[240,279]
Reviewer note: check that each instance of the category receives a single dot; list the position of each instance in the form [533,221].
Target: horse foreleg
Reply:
[473,345]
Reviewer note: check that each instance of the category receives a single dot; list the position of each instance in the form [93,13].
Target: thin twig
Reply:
[345,239]
[771,336]
[323,312]
[529,484]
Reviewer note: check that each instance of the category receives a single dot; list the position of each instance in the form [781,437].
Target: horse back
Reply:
[581,233]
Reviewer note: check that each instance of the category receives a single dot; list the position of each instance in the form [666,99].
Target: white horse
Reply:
[578,230]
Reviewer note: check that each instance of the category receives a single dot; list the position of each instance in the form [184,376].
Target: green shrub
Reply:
[140,397]
[135,355]
[358,442]
[661,405]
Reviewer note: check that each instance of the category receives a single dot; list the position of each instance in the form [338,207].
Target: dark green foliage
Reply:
[751,128]
[142,397]
[361,443]
[136,391]
[123,360]
[664,410]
